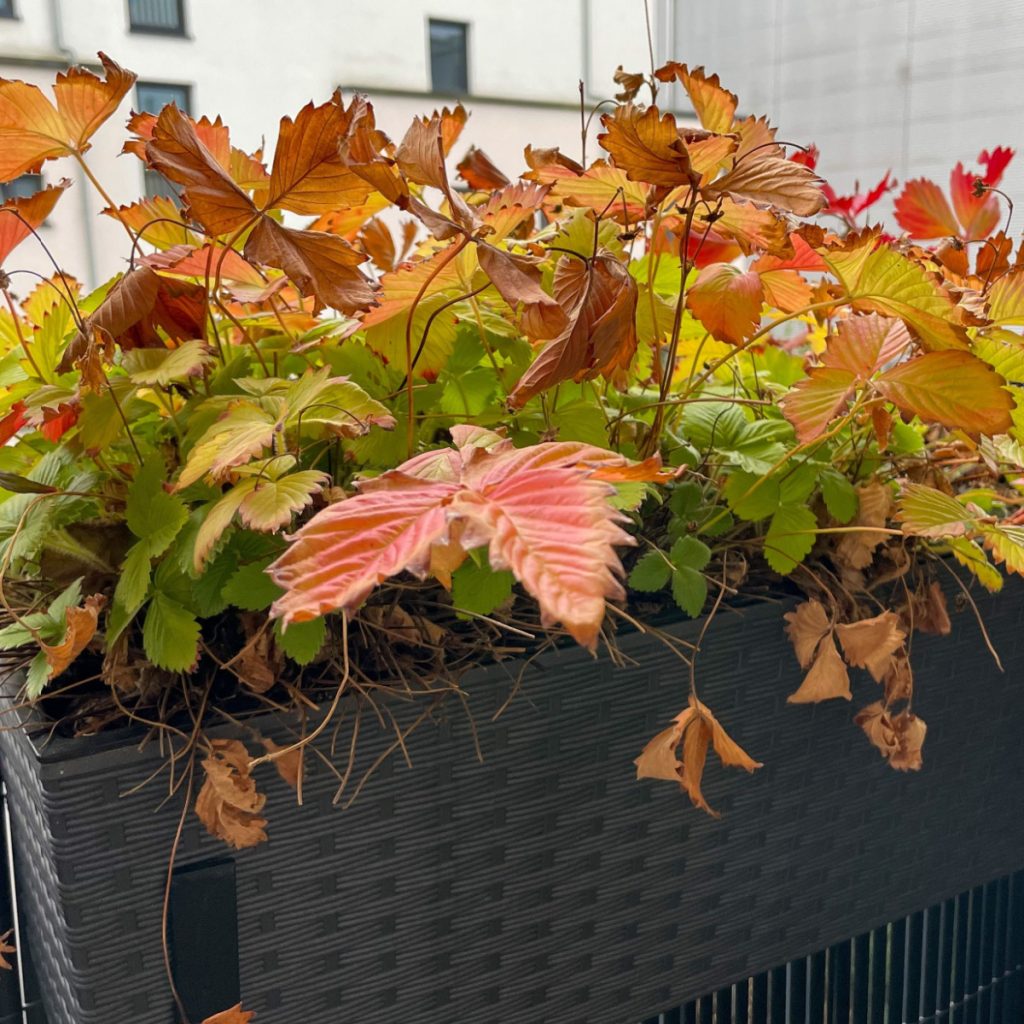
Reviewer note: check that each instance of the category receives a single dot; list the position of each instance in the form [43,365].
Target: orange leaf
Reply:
[228,803]
[33,130]
[321,265]
[658,759]
[212,197]
[869,643]
[979,215]
[878,727]
[715,106]
[80,629]
[600,337]
[764,177]
[923,211]
[19,216]
[647,146]
[874,503]
[827,678]
[308,175]
[539,510]
[288,765]
[953,388]
[727,302]
[812,404]
[910,733]
[477,170]
[5,949]
[236,1015]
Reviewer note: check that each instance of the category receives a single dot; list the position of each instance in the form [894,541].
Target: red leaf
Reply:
[19,216]
[541,511]
[477,170]
[727,302]
[923,212]
[979,215]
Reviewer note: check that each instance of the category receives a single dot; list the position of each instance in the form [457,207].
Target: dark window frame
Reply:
[179,31]
[153,182]
[7,10]
[449,23]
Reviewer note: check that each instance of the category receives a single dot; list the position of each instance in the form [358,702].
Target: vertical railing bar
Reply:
[796,992]
[945,957]
[912,969]
[929,961]
[876,978]
[958,978]
[19,942]
[860,978]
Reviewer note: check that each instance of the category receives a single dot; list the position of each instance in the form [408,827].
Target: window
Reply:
[449,64]
[166,17]
[151,98]
[22,187]
[7,9]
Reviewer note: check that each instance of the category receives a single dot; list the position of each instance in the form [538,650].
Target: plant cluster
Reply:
[353,420]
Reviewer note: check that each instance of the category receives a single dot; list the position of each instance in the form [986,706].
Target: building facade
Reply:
[516,67]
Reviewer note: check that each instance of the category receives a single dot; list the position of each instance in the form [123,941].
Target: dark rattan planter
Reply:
[545,885]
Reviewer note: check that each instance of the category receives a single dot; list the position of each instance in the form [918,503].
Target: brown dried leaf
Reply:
[236,1015]
[228,803]
[856,549]
[5,949]
[806,625]
[878,727]
[289,765]
[827,679]
[81,627]
[696,727]
[631,83]
[931,613]
[647,146]
[899,679]
[477,170]
[518,281]
[320,264]
[910,733]
[870,642]
[768,178]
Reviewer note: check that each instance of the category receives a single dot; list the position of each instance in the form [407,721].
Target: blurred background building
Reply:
[911,85]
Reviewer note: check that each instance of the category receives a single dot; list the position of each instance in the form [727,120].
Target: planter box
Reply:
[545,885]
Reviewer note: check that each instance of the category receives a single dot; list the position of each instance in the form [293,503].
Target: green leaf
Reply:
[479,589]
[751,496]
[839,495]
[689,553]
[133,583]
[170,634]
[714,424]
[160,367]
[70,597]
[650,573]
[790,538]
[302,641]
[251,588]
[690,590]
[153,515]
[38,676]
[685,499]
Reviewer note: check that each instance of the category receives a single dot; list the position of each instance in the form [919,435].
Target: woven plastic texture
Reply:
[547,884]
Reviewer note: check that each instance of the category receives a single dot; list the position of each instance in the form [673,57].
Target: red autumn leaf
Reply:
[923,211]
[727,302]
[600,297]
[477,170]
[541,512]
[850,207]
[20,216]
[978,214]
[12,422]
[953,388]
[32,129]
[245,282]
[57,422]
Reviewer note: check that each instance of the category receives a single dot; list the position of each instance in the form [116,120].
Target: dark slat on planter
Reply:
[547,885]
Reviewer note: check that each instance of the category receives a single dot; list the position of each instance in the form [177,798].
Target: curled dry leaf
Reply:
[696,728]
[288,765]
[5,950]
[235,1015]
[229,804]
[81,627]
[870,643]
[898,679]
[899,738]
[827,678]
[931,613]
[856,549]
[806,625]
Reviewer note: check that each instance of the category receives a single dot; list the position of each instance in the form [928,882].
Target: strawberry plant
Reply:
[353,419]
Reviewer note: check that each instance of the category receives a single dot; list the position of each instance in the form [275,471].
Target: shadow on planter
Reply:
[546,884]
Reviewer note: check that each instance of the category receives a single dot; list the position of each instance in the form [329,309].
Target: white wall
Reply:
[252,61]
[912,85]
